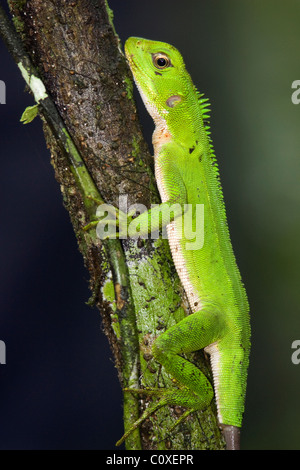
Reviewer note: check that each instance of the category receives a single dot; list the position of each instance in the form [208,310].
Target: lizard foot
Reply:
[110,222]
[179,397]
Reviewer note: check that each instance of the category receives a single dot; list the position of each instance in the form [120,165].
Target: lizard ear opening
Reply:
[173,100]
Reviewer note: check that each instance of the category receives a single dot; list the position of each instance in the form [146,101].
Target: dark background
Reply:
[59,388]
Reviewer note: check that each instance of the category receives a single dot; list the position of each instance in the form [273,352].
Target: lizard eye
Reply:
[161,61]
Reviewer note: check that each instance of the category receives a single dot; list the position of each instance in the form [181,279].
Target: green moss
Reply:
[111,18]
[129,88]
[135,147]
[18,24]
[116,326]
[108,291]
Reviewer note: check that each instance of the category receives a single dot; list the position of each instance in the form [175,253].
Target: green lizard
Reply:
[186,173]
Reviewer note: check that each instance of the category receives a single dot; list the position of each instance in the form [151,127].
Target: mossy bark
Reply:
[77,54]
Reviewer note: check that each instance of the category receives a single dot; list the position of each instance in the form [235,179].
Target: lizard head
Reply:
[160,75]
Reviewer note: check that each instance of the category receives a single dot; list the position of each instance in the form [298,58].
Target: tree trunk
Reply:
[98,152]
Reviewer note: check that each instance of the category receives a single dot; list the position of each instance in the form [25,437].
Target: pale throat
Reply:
[161,134]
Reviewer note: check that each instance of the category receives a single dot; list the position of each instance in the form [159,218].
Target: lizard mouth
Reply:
[131,48]
[130,59]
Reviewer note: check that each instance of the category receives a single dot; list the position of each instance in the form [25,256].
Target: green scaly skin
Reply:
[187,173]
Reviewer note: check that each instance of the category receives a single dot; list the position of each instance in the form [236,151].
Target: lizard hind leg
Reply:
[194,332]
[195,392]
